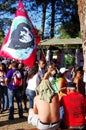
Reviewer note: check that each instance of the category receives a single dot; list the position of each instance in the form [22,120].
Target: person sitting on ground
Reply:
[74,108]
[45,113]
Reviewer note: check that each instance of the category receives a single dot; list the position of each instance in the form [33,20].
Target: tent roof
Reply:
[57,41]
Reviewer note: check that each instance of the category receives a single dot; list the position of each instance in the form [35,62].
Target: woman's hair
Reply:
[3,67]
[60,75]
[33,71]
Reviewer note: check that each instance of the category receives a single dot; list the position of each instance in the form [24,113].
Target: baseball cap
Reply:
[79,69]
[63,70]
[71,85]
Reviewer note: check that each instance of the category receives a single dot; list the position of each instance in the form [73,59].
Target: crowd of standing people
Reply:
[56,95]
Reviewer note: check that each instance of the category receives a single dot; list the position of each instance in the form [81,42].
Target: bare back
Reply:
[47,112]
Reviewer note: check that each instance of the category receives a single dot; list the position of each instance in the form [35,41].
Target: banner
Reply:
[22,39]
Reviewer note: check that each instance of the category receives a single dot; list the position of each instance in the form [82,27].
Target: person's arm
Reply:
[61,101]
[60,84]
[8,77]
[32,113]
[47,74]
[35,110]
[6,81]
[77,84]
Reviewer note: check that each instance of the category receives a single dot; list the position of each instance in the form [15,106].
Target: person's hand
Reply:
[50,68]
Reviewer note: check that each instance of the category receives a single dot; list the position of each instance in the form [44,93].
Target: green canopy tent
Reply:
[61,43]
[55,44]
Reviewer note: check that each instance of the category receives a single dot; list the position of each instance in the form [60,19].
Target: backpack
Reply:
[17,79]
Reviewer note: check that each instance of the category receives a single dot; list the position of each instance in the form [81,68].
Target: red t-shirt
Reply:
[74,109]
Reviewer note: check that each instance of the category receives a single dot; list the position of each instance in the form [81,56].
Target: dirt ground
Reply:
[16,124]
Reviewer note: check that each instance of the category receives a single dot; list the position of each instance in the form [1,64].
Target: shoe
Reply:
[26,109]
[5,110]
[21,116]
[1,111]
[10,118]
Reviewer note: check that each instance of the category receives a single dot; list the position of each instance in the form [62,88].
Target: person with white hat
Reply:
[62,81]
[63,70]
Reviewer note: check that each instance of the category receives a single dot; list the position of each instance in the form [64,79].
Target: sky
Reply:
[34,16]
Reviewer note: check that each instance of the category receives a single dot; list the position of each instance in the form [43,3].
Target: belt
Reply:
[49,123]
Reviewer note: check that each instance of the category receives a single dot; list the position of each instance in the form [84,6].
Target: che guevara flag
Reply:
[22,38]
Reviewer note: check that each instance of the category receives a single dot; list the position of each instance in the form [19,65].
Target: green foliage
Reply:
[1,37]
[62,32]
[70,25]
[1,41]
[66,15]
[70,60]
[1,33]
[68,30]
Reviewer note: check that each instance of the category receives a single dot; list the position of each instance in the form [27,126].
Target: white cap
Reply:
[63,70]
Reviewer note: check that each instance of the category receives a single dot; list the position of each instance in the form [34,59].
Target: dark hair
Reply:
[4,67]
[79,69]
[71,85]
[15,64]
[33,71]
[60,75]
[22,64]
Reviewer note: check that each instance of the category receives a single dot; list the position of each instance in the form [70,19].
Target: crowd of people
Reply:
[56,95]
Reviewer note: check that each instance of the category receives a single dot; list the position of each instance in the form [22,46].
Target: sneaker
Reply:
[26,109]
[21,116]
[5,110]
[10,118]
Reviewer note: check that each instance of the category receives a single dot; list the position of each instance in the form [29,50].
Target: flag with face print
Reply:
[22,39]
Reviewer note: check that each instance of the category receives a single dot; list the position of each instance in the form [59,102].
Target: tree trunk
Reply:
[82,17]
[43,18]
[52,18]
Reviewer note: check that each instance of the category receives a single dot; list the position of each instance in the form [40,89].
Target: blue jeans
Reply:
[17,94]
[30,96]
[1,98]
[61,112]
[5,94]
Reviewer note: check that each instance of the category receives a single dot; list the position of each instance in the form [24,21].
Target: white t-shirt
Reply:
[33,82]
